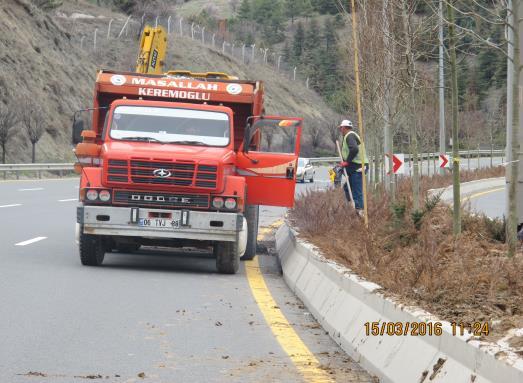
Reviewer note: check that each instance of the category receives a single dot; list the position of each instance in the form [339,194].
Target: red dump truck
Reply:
[175,160]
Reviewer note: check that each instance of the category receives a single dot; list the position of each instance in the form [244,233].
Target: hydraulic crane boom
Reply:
[153,47]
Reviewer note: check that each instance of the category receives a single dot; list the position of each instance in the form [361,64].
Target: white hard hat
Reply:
[347,123]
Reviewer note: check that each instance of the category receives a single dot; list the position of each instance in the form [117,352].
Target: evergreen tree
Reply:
[329,66]
[245,11]
[312,54]
[297,44]
[326,6]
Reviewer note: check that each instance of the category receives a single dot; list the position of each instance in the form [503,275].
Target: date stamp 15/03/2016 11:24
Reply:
[425,328]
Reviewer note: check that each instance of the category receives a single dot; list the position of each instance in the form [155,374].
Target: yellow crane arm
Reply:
[153,48]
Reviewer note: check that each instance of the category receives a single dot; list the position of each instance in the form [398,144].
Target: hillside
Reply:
[42,60]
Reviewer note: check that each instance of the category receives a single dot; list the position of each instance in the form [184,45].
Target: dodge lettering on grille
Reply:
[160,198]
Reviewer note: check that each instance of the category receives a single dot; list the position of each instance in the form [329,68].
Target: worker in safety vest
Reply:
[353,154]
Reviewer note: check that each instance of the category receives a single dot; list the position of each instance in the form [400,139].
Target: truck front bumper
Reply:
[125,221]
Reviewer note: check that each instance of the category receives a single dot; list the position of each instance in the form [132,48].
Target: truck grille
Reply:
[141,172]
[137,198]
[117,171]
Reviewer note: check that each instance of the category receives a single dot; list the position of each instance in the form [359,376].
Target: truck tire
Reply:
[227,257]
[252,215]
[91,248]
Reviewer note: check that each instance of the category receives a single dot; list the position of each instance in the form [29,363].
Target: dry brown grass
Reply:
[468,278]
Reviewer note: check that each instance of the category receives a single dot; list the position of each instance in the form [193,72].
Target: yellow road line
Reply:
[476,195]
[304,360]
[263,231]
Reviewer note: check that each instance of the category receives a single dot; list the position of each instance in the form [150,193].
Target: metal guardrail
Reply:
[65,167]
[462,153]
[38,168]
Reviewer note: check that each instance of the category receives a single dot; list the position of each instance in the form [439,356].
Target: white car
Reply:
[305,170]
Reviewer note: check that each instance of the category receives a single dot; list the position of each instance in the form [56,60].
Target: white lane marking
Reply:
[12,205]
[68,200]
[29,241]
[31,189]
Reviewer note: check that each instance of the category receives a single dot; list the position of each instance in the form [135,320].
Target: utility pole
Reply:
[455,129]
[514,129]
[387,131]
[360,113]
[442,148]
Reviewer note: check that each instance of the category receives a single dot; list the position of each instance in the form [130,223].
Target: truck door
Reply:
[270,172]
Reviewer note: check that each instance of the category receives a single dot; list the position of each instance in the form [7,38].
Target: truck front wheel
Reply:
[252,215]
[92,251]
[227,257]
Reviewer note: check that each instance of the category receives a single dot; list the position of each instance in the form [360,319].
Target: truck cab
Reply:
[175,161]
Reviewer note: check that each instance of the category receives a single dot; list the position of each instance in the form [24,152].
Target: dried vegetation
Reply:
[414,255]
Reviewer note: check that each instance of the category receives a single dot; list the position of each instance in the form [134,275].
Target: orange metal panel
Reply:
[267,173]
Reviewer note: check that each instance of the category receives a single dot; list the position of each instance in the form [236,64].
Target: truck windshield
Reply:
[170,125]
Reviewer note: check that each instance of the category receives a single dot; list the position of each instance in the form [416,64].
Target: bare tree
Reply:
[315,134]
[33,123]
[333,131]
[8,120]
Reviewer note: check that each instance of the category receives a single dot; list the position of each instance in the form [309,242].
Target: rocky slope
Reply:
[44,58]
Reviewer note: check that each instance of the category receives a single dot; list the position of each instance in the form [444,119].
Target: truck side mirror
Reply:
[247,138]
[78,127]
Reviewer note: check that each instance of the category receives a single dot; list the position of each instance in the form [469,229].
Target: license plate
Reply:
[161,223]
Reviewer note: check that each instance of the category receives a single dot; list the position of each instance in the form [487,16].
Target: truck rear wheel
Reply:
[252,215]
[227,257]
[91,248]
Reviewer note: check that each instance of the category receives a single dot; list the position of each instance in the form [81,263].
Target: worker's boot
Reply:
[359,212]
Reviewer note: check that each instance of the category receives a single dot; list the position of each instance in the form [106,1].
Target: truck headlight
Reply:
[217,202]
[230,203]
[91,195]
[104,195]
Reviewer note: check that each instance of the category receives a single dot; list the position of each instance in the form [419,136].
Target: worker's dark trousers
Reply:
[356,185]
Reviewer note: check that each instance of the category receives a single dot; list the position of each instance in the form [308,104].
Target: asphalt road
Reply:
[152,316]
[491,203]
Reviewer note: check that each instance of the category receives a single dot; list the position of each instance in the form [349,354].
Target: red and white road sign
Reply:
[443,161]
[398,162]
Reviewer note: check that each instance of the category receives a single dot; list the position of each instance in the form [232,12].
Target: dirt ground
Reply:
[416,258]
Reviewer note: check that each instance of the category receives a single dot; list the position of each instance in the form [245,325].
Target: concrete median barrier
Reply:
[344,303]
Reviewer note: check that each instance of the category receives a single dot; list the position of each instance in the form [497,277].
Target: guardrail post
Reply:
[294,74]
[181,26]
[192,31]
[252,53]
[479,164]
[169,25]
[94,43]
[203,35]
[213,38]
